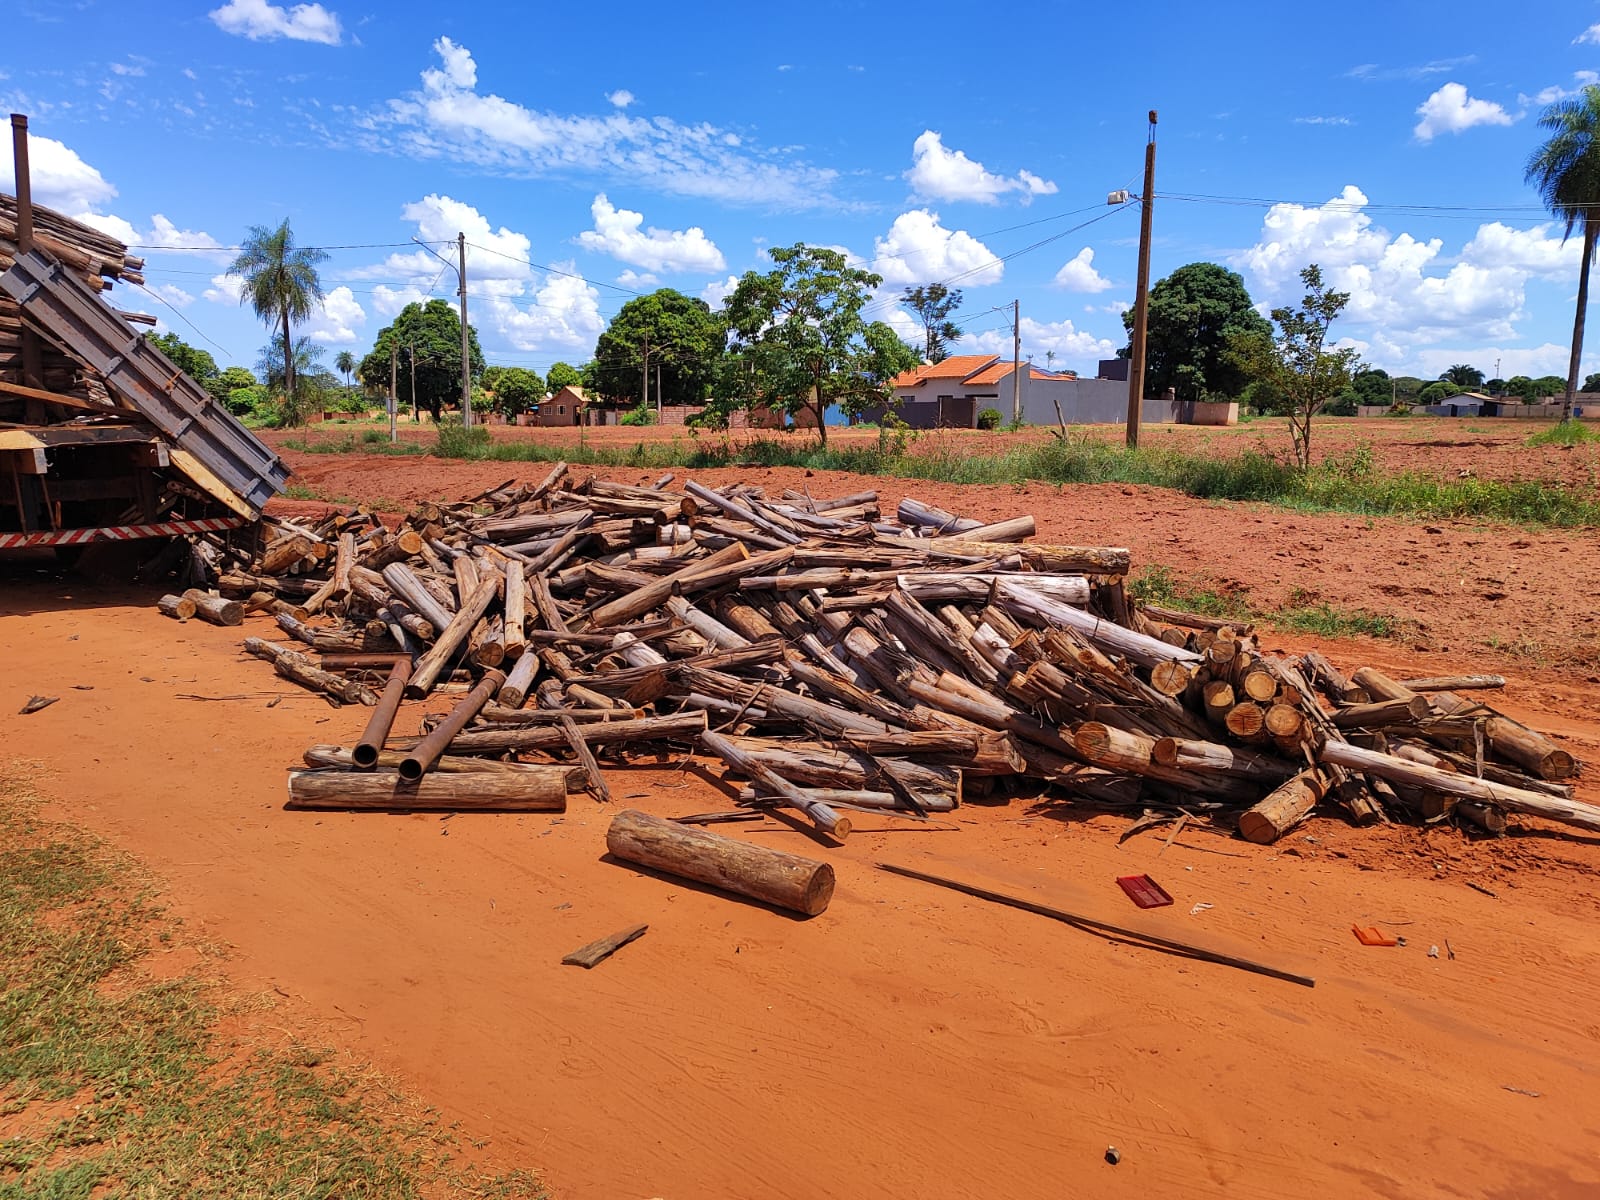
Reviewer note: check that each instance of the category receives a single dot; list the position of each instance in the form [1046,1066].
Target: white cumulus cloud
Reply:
[918,249]
[450,118]
[938,173]
[334,322]
[718,290]
[225,289]
[617,232]
[1074,348]
[1077,274]
[633,279]
[263,22]
[621,98]
[1452,110]
[1406,295]
[59,177]
[1590,37]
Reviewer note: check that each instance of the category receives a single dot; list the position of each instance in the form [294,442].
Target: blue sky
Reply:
[593,152]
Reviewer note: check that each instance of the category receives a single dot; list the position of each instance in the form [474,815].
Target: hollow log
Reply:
[1283,809]
[774,877]
[367,749]
[532,789]
[422,757]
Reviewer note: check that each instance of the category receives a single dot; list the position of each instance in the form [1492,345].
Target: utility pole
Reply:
[411,357]
[644,376]
[394,386]
[1141,304]
[1016,362]
[658,389]
[466,359]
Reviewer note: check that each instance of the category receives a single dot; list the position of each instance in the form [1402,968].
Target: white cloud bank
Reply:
[938,173]
[263,22]
[617,232]
[450,118]
[918,249]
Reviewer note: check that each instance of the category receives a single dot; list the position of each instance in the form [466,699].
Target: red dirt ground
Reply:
[910,1041]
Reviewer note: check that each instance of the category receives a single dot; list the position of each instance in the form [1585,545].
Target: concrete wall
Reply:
[1088,402]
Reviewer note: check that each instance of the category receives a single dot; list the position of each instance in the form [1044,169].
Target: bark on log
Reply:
[533,789]
[1512,799]
[774,877]
[1382,713]
[180,608]
[1210,756]
[820,815]
[451,637]
[297,668]
[215,609]
[1146,651]
[1283,809]
[404,582]
[679,727]
[915,512]
[1454,683]
[519,681]
[1379,686]
[1513,740]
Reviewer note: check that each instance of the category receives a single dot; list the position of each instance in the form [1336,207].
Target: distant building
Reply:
[566,407]
[951,394]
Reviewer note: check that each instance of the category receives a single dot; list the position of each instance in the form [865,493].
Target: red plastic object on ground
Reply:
[1370,935]
[1144,891]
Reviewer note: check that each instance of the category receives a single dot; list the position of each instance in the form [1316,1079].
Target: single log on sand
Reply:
[774,877]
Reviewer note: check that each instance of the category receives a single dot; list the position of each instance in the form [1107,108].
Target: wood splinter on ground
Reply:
[597,952]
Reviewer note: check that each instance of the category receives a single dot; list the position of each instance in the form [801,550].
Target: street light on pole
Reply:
[466,360]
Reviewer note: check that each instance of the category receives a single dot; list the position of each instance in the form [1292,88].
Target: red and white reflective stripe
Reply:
[119,533]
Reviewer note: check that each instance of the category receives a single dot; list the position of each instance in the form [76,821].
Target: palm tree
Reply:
[280,281]
[1464,375]
[1566,170]
[344,364]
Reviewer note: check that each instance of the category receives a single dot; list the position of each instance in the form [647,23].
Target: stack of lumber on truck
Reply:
[837,661]
[102,437]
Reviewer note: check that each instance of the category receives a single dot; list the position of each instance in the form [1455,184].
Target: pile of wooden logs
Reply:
[836,661]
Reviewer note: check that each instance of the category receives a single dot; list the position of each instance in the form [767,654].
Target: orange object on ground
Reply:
[1370,935]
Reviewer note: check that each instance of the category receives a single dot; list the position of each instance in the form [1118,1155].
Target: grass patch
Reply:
[1565,433]
[1347,482]
[1302,614]
[116,1084]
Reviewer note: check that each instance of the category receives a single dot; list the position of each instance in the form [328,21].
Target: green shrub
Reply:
[458,441]
[640,414]
[989,418]
[1566,433]
[372,437]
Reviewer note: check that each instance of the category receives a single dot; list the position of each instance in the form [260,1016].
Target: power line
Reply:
[347,246]
[617,287]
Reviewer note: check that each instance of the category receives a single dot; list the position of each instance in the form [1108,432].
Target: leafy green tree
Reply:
[1372,386]
[933,303]
[674,338]
[1435,393]
[280,283]
[1195,315]
[1297,361]
[1469,377]
[1523,388]
[1549,385]
[1408,387]
[197,364]
[428,339]
[229,379]
[516,389]
[800,325]
[1495,387]
[562,375]
[1591,383]
[1566,170]
[301,386]
[884,355]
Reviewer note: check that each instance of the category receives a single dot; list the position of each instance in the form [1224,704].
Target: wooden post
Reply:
[533,789]
[1283,809]
[774,877]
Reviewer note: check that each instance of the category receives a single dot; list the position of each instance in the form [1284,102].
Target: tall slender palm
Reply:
[280,282]
[1566,170]
[345,363]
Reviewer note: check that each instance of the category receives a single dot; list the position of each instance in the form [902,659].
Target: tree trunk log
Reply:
[451,637]
[1454,683]
[820,815]
[180,608]
[1512,799]
[774,877]
[297,668]
[1283,809]
[1509,739]
[533,789]
[215,609]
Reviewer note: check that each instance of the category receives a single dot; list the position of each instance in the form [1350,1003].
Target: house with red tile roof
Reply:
[950,394]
